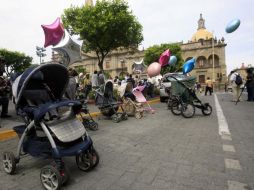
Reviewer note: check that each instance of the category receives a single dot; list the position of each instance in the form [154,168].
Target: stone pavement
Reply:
[160,151]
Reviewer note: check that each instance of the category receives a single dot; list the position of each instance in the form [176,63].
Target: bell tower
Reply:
[201,23]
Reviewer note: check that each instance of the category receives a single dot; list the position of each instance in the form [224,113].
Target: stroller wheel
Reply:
[65,173]
[87,160]
[188,110]
[176,108]
[115,118]
[9,162]
[51,178]
[95,156]
[138,115]
[207,110]
[93,126]
[125,116]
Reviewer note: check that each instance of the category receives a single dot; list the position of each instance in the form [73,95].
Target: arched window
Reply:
[216,60]
[201,62]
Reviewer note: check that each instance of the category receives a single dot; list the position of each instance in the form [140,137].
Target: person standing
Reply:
[101,79]
[209,86]
[87,86]
[234,78]
[95,79]
[250,84]
[72,85]
[4,99]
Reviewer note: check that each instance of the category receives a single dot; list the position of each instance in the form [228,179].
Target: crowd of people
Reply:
[84,83]
[87,82]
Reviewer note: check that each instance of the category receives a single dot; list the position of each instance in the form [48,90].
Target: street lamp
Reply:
[39,52]
[213,79]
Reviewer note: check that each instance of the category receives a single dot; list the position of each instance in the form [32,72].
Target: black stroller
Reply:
[108,105]
[51,129]
[183,99]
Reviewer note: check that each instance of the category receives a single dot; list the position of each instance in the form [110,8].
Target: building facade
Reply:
[208,51]
[210,56]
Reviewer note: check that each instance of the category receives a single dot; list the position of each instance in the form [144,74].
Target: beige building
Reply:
[119,62]
[210,56]
[208,51]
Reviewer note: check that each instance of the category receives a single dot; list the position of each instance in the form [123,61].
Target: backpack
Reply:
[238,80]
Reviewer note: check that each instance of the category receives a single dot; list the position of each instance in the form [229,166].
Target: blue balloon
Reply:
[233,25]
[188,66]
[172,60]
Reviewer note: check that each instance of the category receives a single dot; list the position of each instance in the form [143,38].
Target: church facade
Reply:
[210,56]
[208,51]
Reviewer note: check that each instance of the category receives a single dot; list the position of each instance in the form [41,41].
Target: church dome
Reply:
[202,34]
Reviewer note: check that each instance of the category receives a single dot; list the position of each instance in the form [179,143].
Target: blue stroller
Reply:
[51,129]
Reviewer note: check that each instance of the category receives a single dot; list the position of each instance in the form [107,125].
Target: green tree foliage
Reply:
[15,61]
[104,27]
[152,54]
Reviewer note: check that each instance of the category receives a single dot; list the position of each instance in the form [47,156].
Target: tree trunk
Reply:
[100,64]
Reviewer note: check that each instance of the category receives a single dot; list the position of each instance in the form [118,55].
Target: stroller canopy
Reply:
[54,76]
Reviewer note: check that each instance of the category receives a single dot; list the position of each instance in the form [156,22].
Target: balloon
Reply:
[53,33]
[154,69]
[172,60]
[233,25]
[70,49]
[188,66]
[164,58]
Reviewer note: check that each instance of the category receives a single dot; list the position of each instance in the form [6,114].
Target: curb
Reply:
[9,134]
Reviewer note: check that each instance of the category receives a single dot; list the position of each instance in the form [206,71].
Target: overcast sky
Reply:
[163,21]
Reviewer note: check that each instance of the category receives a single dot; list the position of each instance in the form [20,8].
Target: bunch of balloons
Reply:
[62,42]
[165,59]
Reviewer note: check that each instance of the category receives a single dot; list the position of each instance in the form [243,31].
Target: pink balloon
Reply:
[154,69]
[164,58]
[53,33]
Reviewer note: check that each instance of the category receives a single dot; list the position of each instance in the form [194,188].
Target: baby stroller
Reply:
[51,129]
[141,99]
[108,105]
[183,99]
[87,119]
[130,105]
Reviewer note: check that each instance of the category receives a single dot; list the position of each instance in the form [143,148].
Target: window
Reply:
[107,65]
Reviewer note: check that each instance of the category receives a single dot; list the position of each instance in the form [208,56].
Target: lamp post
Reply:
[213,78]
[39,52]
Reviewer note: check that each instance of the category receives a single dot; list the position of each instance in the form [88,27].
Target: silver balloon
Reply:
[70,49]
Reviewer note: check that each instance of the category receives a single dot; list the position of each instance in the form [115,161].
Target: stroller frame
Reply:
[108,107]
[63,134]
[180,106]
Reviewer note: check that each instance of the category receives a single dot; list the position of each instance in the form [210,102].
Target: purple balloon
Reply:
[53,33]
[189,65]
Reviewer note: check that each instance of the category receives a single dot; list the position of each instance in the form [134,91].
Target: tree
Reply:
[14,61]
[152,54]
[104,27]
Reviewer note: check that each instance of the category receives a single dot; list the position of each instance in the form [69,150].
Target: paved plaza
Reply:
[160,152]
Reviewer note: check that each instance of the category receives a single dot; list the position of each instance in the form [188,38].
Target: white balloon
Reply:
[70,49]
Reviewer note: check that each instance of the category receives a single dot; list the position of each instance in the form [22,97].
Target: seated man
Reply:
[4,100]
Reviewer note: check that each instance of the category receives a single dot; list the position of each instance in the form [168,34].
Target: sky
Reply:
[163,21]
